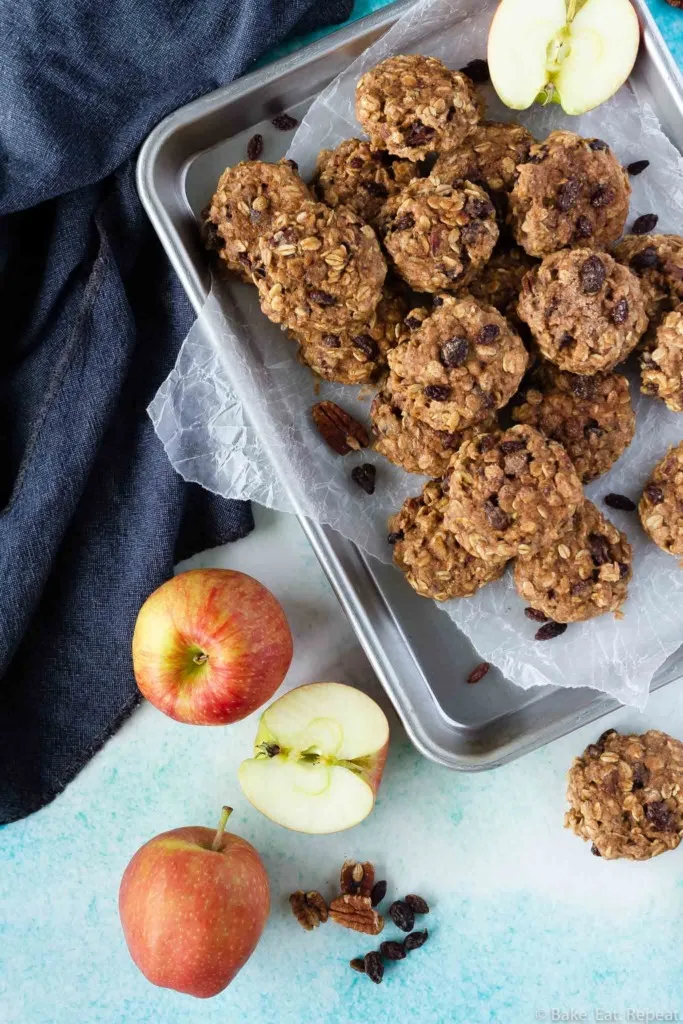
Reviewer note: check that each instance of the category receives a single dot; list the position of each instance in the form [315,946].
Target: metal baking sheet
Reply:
[420,656]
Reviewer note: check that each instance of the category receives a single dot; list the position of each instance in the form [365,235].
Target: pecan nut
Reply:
[356,878]
[309,908]
[356,912]
[340,431]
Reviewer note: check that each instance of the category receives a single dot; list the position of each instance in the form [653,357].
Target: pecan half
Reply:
[356,912]
[356,878]
[339,430]
[309,908]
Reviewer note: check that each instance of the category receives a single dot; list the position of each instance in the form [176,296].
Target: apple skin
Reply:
[192,916]
[210,646]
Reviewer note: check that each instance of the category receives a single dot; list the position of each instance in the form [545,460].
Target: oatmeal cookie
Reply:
[582,574]
[591,416]
[438,235]
[246,199]
[358,353]
[360,177]
[586,311]
[459,366]
[661,506]
[499,283]
[510,494]
[434,563]
[570,192]
[662,363]
[657,260]
[415,446]
[626,795]
[323,268]
[489,156]
[413,105]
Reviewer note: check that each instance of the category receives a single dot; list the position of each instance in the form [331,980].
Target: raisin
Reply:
[418,134]
[640,775]
[567,194]
[620,311]
[621,502]
[660,817]
[404,223]
[475,676]
[599,549]
[415,940]
[645,224]
[603,195]
[535,615]
[593,750]
[584,228]
[394,538]
[402,915]
[419,905]
[365,476]
[508,447]
[454,352]
[255,147]
[366,344]
[654,494]
[623,569]
[374,188]
[356,162]
[331,341]
[604,736]
[477,70]
[580,587]
[374,968]
[437,301]
[592,275]
[497,518]
[637,167]
[438,392]
[477,207]
[566,340]
[551,630]
[488,333]
[379,889]
[595,851]
[321,297]
[393,950]
[646,259]
[597,144]
[357,965]
[285,122]
[293,164]
[487,442]
[212,240]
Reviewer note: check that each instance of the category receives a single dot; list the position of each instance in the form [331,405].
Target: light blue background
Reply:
[524,919]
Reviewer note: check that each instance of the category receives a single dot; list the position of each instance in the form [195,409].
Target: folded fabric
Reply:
[92,516]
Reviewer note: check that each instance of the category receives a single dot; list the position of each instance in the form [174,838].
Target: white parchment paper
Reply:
[234,414]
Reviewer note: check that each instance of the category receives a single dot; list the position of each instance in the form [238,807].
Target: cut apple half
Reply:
[318,758]
[573,52]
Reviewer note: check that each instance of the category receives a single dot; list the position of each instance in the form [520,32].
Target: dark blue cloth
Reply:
[92,516]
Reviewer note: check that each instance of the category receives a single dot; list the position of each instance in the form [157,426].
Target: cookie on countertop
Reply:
[657,260]
[460,365]
[499,282]
[582,574]
[323,268]
[433,562]
[489,156]
[438,235]
[360,177]
[626,795]
[585,310]
[662,362]
[412,105]
[592,417]
[357,353]
[510,494]
[570,192]
[247,198]
[413,445]
[661,506]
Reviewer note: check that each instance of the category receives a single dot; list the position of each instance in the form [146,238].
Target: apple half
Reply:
[318,758]
[573,52]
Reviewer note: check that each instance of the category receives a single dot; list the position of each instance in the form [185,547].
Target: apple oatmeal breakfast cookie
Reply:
[582,574]
[510,494]
[360,177]
[438,235]
[657,261]
[661,505]
[585,310]
[662,362]
[570,192]
[412,105]
[460,365]
[323,268]
[626,795]
[433,562]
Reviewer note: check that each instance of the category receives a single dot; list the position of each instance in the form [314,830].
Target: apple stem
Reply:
[571,10]
[218,838]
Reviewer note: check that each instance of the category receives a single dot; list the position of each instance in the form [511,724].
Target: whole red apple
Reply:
[193,904]
[210,646]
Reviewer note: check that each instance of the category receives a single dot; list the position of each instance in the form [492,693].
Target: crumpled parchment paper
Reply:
[234,414]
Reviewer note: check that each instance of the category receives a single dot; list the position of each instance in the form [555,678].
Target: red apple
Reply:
[210,646]
[193,904]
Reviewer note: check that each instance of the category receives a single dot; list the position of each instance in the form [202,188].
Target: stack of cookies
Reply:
[466,269]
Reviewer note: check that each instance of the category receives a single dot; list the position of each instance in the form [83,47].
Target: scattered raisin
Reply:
[592,275]
[285,122]
[366,344]
[584,228]
[488,333]
[621,502]
[418,134]
[375,188]
[415,940]
[255,147]
[357,965]
[393,950]
[477,70]
[660,817]
[475,676]
[535,615]
[392,539]
[416,903]
[551,630]
[374,968]
[599,549]
[438,392]
[365,476]
[454,352]
[379,889]
[402,915]
[654,494]
[620,311]
[645,259]
[603,195]
[404,223]
[321,297]
[598,144]
[645,224]
[497,518]
[567,194]
[637,167]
